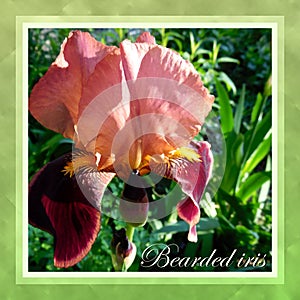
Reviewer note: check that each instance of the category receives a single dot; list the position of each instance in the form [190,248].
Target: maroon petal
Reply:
[189,211]
[193,180]
[58,205]
[192,174]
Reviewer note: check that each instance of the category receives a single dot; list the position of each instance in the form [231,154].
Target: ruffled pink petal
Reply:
[132,54]
[59,205]
[166,123]
[146,37]
[173,71]
[193,179]
[167,97]
[103,109]
[55,98]
[145,59]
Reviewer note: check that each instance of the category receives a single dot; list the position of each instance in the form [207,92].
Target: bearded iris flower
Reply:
[130,111]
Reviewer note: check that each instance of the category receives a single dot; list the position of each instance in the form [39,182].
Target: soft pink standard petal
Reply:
[103,107]
[163,84]
[132,55]
[106,74]
[146,37]
[54,99]
[193,183]
[148,60]
[59,205]
[165,122]
[170,65]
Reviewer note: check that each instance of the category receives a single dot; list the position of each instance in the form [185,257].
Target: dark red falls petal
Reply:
[57,205]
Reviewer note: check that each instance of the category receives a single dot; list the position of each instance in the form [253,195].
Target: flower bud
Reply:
[134,204]
[123,251]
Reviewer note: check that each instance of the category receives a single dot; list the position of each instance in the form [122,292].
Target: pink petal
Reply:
[146,37]
[171,69]
[59,205]
[189,211]
[148,60]
[102,109]
[54,99]
[192,236]
[167,98]
[193,179]
[132,55]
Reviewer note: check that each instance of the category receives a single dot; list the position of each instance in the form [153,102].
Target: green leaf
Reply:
[172,34]
[225,109]
[252,185]
[264,192]
[228,60]
[239,111]
[120,33]
[256,135]
[263,195]
[258,155]
[203,51]
[206,224]
[224,222]
[235,154]
[246,236]
[208,206]
[257,108]
[236,205]
[229,83]
[237,150]
[216,48]
[268,87]
[194,46]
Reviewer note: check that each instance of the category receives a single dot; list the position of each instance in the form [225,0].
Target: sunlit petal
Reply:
[54,100]
[191,168]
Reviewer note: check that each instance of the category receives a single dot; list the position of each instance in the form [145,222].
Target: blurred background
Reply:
[236,210]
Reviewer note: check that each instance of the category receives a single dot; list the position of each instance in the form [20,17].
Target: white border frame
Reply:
[271,25]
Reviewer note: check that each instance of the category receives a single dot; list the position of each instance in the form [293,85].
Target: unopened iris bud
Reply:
[123,251]
[134,204]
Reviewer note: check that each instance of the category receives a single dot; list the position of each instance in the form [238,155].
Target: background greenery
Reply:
[235,65]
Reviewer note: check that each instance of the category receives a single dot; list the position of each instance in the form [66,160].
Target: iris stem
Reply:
[129,232]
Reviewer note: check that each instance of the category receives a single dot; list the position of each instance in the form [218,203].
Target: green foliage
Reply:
[240,196]
[235,65]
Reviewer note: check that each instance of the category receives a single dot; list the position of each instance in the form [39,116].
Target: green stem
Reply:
[129,232]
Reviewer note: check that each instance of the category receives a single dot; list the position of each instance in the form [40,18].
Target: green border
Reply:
[155,22]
